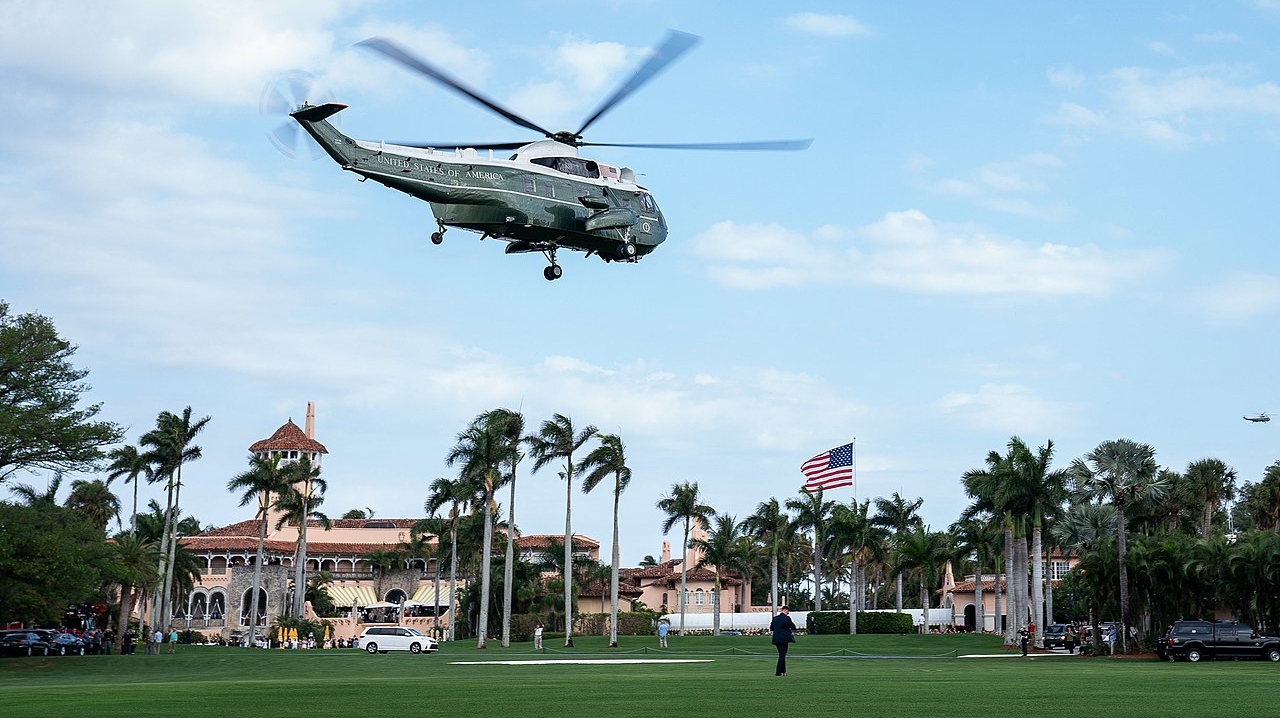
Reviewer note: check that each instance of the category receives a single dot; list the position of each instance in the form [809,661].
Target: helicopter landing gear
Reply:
[554,271]
[627,251]
[437,237]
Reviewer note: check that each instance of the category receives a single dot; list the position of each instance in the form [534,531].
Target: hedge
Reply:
[837,622]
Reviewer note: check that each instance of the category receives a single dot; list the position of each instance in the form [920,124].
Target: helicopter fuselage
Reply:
[541,198]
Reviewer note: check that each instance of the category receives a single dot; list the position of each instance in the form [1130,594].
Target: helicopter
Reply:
[1259,419]
[542,198]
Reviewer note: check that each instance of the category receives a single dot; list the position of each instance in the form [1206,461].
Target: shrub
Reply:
[837,622]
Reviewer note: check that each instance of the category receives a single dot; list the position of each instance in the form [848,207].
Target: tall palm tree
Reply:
[299,504]
[925,552]
[898,516]
[264,481]
[979,535]
[169,447]
[1124,471]
[989,489]
[853,530]
[722,549]
[31,496]
[769,525]
[94,501]
[684,504]
[1212,483]
[1041,494]
[813,513]
[557,439]
[126,461]
[482,449]
[436,528]
[137,557]
[512,431]
[609,459]
[458,496]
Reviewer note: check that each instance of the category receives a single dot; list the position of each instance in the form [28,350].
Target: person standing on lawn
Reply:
[783,630]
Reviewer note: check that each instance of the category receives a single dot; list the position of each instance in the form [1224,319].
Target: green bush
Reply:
[837,622]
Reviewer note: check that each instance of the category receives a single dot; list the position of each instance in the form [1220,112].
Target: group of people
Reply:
[782,632]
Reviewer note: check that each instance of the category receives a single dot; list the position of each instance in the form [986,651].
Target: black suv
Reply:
[1054,635]
[1201,640]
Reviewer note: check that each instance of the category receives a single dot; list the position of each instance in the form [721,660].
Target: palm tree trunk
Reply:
[979,608]
[817,568]
[568,559]
[1037,582]
[773,578]
[135,504]
[485,551]
[300,568]
[1122,551]
[1010,586]
[453,577]
[854,570]
[435,624]
[127,599]
[898,600]
[167,605]
[613,573]
[508,570]
[257,579]
[715,619]
[684,562]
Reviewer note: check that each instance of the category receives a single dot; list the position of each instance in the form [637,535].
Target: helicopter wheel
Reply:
[437,237]
[553,272]
[627,251]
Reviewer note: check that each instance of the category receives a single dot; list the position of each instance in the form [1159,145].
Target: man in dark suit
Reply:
[783,629]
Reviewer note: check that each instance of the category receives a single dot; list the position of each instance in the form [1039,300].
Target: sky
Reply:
[1048,220]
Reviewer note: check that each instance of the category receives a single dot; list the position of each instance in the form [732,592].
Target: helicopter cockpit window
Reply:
[570,166]
[647,201]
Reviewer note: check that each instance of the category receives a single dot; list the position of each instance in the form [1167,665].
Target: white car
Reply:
[380,639]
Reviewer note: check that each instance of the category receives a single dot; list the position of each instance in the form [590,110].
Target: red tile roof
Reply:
[288,438]
[544,541]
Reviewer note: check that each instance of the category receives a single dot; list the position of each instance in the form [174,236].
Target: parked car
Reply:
[23,642]
[1205,640]
[1054,633]
[66,644]
[380,639]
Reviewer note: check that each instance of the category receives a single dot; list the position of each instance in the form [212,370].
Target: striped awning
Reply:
[351,595]
[426,595]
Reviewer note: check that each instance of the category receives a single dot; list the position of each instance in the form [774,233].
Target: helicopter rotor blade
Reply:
[772,145]
[402,56]
[464,145]
[675,45]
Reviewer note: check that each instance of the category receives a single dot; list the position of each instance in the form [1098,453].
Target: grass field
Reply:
[829,676]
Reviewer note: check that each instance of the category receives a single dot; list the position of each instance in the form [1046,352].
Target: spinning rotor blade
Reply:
[402,56]
[676,44]
[462,145]
[282,95]
[787,145]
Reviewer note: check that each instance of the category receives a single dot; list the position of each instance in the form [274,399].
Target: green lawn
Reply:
[829,675]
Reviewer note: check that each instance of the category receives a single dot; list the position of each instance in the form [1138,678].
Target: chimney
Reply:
[311,420]
[666,551]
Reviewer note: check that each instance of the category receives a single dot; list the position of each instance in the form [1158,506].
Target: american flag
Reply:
[829,470]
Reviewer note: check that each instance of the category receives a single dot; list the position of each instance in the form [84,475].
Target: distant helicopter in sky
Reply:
[1259,419]
[542,198]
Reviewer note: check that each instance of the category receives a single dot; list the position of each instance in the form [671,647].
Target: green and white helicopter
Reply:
[543,198]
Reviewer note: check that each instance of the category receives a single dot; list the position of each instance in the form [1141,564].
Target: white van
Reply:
[380,639]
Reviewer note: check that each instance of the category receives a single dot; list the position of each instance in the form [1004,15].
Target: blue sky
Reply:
[1050,220]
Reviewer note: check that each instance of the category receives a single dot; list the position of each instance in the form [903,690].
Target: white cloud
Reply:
[1006,408]
[910,252]
[1242,296]
[1065,77]
[827,25]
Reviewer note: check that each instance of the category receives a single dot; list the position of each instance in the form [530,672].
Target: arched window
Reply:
[217,605]
[246,605]
[699,598]
[199,606]
[395,595]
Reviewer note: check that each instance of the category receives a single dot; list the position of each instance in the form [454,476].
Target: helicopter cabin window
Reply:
[570,166]
[647,201]
[529,185]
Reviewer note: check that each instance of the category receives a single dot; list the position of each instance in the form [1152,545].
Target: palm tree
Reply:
[923,551]
[169,448]
[813,513]
[31,496]
[1124,471]
[722,548]
[989,489]
[609,459]
[1041,493]
[128,462]
[1212,483]
[434,527]
[852,529]
[298,505]
[458,496]
[263,481]
[898,516]
[137,557]
[512,431]
[557,439]
[978,535]
[482,449]
[94,501]
[683,504]
[769,525]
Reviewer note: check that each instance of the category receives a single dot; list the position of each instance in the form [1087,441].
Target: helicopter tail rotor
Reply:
[285,94]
